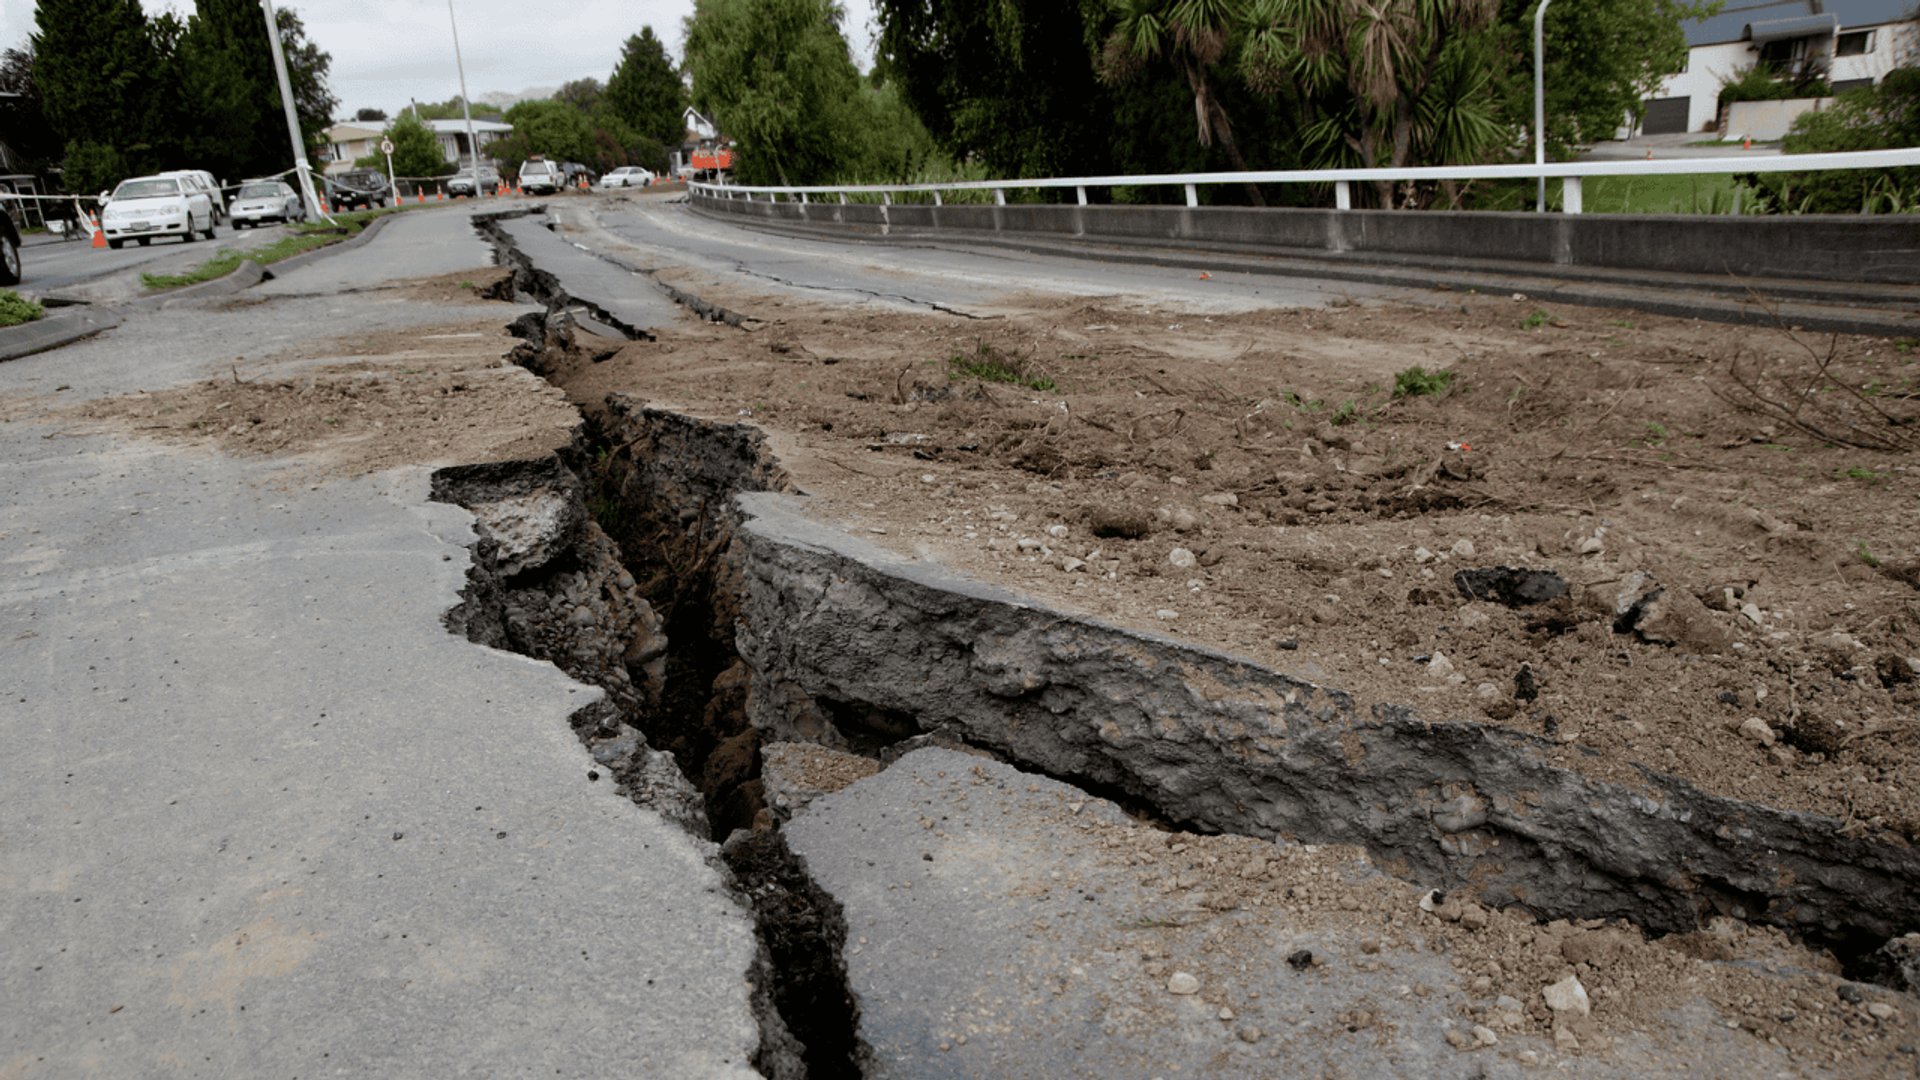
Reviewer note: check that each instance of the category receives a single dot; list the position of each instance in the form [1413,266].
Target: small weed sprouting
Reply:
[1539,318]
[1866,476]
[1347,413]
[468,285]
[1417,381]
[1624,324]
[989,364]
[1654,434]
[1866,554]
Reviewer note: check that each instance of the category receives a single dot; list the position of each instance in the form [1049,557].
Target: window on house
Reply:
[1853,43]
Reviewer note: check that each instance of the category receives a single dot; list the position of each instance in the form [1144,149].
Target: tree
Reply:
[992,82]
[1604,59]
[775,75]
[416,151]
[1193,35]
[93,65]
[1383,82]
[582,94]
[371,116]
[450,110]
[552,128]
[236,125]
[24,118]
[646,92]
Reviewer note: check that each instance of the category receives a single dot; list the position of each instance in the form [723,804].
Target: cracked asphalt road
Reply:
[948,278]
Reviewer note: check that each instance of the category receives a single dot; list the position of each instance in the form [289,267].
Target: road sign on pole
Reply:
[386,147]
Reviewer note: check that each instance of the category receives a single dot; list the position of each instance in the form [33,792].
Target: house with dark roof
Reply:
[1853,42]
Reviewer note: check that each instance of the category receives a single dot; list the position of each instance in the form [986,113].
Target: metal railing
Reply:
[1570,173]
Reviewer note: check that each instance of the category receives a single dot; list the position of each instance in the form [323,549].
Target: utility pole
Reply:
[466,110]
[300,165]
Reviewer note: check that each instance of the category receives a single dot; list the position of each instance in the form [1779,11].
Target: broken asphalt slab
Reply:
[1001,924]
[625,299]
[265,815]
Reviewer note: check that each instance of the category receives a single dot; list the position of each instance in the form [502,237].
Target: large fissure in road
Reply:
[663,558]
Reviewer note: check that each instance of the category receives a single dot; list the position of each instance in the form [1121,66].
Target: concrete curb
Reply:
[68,326]
[1688,296]
[245,276]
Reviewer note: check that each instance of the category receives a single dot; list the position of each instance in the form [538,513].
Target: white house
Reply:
[1855,41]
[356,139]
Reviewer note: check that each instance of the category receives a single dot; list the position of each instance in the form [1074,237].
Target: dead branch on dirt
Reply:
[1179,417]
[900,386]
[1803,395]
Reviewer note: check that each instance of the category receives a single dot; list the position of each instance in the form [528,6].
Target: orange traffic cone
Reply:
[439,194]
[420,196]
[1747,143]
[99,234]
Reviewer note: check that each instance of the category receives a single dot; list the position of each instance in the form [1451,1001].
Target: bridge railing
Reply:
[1570,173]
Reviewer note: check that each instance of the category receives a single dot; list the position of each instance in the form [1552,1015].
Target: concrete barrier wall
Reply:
[1821,247]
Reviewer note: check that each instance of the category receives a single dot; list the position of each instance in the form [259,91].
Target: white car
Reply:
[260,201]
[149,206]
[627,176]
[539,176]
[204,180]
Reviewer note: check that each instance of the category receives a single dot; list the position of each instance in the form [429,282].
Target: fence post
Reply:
[936,199]
[843,198]
[999,196]
[886,198]
[1342,195]
[1193,195]
[1570,195]
[1082,193]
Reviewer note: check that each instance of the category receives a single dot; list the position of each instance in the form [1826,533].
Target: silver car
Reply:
[260,201]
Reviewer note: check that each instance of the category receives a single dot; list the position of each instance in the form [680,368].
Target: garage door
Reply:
[1666,116]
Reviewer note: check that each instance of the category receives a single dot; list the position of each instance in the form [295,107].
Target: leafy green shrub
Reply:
[16,309]
[1417,381]
[1761,83]
[1870,118]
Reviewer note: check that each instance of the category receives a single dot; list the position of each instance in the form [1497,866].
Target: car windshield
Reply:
[536,166]
[146,189]
[259,191]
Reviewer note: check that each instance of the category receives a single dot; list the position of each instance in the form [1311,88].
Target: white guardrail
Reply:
[1569,172]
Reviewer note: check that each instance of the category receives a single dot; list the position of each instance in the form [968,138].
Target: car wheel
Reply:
[9,261]
[143,241]
[211,226]
[116,244]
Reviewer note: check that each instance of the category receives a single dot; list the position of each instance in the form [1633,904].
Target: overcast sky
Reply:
[386,52]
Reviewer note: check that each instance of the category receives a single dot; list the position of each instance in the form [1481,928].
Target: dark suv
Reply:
[358,189]
[9,249]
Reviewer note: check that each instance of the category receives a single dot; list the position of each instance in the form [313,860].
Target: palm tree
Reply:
[1195,34]
[1388,82]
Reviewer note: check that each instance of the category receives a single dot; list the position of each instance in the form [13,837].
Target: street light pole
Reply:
[1539,98]
[293,117]
[466,110]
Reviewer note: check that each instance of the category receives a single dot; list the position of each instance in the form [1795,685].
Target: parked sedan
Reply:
[462,183]
[260,201]
[149,206]
[627,176]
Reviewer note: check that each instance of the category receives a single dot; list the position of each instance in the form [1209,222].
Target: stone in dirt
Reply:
[1510,585]
[1568,996]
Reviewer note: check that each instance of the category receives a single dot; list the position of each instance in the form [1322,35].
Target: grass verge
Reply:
[305,237]
[16,309]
